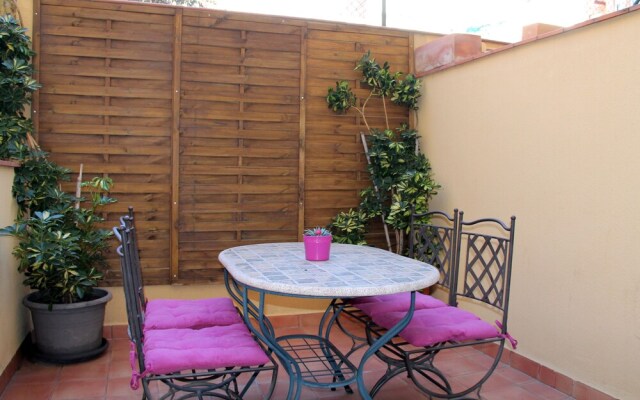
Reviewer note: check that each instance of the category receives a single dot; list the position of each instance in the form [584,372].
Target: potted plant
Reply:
[317,244]
[61,246]
[61,251]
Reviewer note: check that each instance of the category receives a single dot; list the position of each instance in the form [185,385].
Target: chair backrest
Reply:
[432,239]
[484,257]
[135,310]
[127,221]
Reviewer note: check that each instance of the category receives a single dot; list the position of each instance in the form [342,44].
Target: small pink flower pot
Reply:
[316,248]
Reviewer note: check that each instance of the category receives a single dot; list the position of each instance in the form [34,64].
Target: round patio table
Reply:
[351,271]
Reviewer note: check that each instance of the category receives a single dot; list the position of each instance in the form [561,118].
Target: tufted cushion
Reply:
[431,326]
[173,350]
[372,305]
[166,314]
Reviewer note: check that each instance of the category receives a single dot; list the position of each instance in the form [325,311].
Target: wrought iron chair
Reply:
[176,313]
[431,239]
[481,273]
[192,363]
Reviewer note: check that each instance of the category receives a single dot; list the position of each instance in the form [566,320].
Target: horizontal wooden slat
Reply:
[237,152]
[208,113]
[110,130]
[107,149]
[239,171]
[216,55]
[140,35]
[106,110]
[105,72]
[280,79]
[125,54]
[252,40]
[108,5]
[236,226]
[103,91]
[80,9]
[222,22]
[357,34]
[238,188]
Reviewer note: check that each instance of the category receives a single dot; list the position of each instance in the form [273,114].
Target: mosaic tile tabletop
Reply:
[351,271]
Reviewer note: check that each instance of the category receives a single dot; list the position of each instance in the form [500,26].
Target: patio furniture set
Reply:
[200,348]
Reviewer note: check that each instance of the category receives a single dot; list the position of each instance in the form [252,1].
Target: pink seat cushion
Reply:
[372,305]
[436,325]
[173,350]
[167,314]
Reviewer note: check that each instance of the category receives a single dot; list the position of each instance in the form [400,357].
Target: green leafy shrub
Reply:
[61,247]
[401,176]
[341,99]
[349,227]
[16,89]
[61,250]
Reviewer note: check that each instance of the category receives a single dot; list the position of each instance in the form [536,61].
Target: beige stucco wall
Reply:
[26,14]
[14,316]
[550,131]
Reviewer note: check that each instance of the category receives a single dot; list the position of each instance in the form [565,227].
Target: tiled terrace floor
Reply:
[107,378]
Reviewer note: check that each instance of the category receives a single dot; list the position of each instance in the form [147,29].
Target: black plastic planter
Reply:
[68,332]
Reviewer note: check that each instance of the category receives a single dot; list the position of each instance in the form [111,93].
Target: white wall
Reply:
[550,132]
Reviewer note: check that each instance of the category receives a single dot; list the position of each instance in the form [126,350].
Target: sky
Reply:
[493,19]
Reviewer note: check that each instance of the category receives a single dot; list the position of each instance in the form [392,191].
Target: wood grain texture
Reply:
[213,124]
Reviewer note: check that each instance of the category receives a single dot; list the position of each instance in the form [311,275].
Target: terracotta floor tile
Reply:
[482,360]
[282,387]
[543,391]
[565,384]
[36,372]
[119,387]
[547,376]
[398,383]
[310,319]
[285,321]
[119,368]
[525,365]
[583,391]
[119,348]
[255,392]
[495,382]
[107,378]
[32,391]
[508,393]
[458,366]
[372,364]
[120,332]
[86,389]
[391,392]
[88,370]
[514,375]
[266,376]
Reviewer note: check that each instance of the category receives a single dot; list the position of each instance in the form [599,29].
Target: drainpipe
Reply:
[384,12]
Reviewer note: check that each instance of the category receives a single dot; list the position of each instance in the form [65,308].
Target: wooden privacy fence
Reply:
[213,124]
